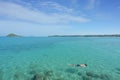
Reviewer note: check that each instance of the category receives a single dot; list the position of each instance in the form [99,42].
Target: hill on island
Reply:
[13,35]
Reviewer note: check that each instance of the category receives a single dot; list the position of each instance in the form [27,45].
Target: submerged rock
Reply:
[32,72]
[79,73]
[118,72]
[38,77]
[48,73]
[105,77]
[59,79]
[118,69]
[91,74]
[86,78]
[45,76]
[16,77]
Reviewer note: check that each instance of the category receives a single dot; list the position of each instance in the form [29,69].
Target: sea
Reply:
[51,58]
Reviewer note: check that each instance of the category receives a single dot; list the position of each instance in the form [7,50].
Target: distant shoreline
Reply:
[113,35]
[104,35]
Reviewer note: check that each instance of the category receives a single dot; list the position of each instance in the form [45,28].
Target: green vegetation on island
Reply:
[111,35]
[13,35]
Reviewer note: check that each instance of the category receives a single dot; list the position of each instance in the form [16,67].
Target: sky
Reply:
[59,17]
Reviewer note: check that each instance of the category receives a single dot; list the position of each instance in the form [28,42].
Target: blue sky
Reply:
[52,17]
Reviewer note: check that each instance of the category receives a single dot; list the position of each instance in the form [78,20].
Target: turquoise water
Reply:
[48,58]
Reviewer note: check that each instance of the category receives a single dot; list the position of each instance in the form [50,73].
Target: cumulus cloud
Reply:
[20,12]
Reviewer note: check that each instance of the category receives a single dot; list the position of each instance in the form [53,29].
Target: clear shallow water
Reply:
[48,58]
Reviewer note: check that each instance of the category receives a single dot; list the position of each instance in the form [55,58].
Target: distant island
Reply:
[112,35]
[13,35]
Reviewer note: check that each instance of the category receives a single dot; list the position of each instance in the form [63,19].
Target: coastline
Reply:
[112,35]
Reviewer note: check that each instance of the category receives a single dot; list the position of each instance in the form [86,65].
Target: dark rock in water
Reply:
[104,77]
[86,78]
[118,72]
[59,79]
[92,75]
[45,76]
[79,73]
[32,72]
[48,73]
[71,70]
[118,69]
[17,77]
[38,77]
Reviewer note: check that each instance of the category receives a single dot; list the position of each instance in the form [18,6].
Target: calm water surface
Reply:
[48,58]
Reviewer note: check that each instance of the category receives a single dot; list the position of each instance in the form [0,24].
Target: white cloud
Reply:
[56,6]
[18,12]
